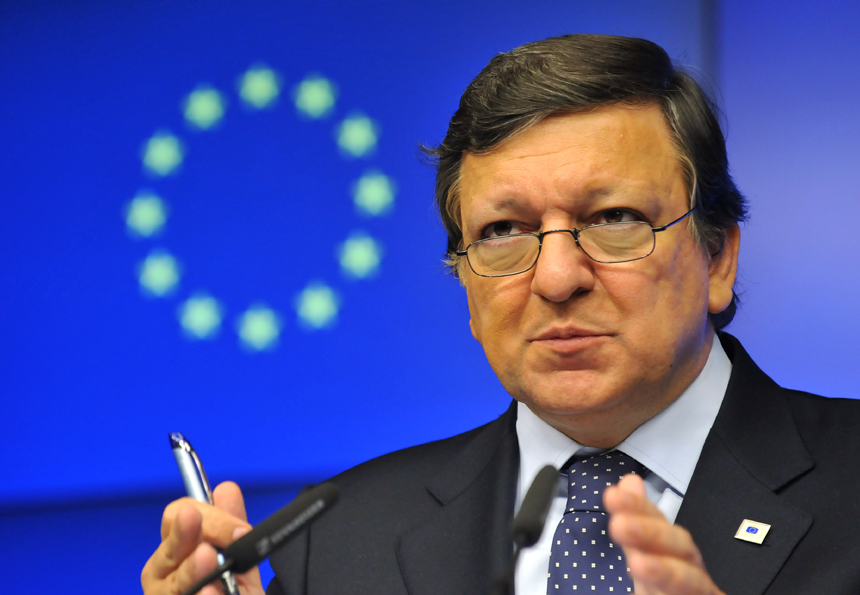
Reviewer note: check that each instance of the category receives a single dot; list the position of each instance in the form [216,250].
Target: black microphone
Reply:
[527,526]
[272,533]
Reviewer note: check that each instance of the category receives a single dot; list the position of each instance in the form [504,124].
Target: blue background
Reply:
[93,374]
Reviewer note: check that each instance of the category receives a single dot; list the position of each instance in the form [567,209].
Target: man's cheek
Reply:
[633,294]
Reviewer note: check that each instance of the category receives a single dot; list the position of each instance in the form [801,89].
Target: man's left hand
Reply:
[662,558]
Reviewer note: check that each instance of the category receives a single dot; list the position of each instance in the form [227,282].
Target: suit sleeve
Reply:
[290,564]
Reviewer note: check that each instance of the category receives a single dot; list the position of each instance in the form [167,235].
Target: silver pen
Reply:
[197,487]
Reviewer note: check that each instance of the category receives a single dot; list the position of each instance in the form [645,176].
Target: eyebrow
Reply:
[505,204]
[508,203]
[502,205]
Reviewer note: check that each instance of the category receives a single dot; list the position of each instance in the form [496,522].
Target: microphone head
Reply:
[275,531]
[527,526]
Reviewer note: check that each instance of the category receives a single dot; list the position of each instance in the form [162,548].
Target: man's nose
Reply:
[563,269]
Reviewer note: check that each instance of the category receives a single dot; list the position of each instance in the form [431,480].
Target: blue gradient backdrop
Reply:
[93,374]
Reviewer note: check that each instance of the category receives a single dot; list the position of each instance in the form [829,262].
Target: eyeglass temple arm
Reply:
[678,220]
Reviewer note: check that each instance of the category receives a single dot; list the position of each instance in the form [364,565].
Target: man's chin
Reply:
[571,393]
[558,408]
[571,364]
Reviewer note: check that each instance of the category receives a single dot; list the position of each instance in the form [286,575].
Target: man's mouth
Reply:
[569,340]
[568,332]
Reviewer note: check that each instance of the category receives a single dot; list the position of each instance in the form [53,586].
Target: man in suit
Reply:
[591,218]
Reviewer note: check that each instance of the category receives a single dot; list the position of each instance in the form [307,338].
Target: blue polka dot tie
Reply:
[583,559]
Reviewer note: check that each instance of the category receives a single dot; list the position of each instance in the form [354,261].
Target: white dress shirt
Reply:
[668,444]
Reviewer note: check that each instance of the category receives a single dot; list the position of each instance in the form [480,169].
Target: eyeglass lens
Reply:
[612,242]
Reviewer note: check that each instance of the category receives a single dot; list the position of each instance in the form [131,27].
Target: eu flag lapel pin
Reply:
[752,531]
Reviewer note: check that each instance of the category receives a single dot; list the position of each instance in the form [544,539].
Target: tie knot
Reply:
[588,477]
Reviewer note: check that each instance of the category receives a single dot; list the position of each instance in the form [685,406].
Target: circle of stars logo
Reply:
[259,327]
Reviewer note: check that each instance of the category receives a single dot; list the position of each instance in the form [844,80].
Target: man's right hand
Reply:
[189,530]
[662,557]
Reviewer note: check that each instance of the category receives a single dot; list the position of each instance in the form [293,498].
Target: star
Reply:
[373,193]
[158,274]
[315,96]
[259,328]
[317,306]
[162,154]
[145,215]
[200,316]
[359,256]
[204,107]
[259,87]
[357,135]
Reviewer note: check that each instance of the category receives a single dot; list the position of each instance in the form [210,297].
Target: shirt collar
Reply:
[668,444]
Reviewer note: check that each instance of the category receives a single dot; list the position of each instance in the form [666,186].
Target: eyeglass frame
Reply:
[575,233]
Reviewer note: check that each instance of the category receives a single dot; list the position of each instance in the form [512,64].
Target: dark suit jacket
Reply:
[432,520]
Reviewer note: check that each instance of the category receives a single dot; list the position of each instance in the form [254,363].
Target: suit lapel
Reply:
[463,546]
[752,451]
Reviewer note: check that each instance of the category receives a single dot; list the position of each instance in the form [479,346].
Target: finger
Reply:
[629,496]
[184,535]
[201,562]
[632,483]
[250,582]
[668,575]
[228,497]
[653,536]
[172,509]
[169,515]
[218,524]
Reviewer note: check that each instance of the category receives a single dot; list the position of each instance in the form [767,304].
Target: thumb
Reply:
[228,497]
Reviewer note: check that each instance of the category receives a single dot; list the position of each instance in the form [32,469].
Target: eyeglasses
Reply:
[605,243]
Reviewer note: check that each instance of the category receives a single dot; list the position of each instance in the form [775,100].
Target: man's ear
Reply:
[474,332]
[722,272]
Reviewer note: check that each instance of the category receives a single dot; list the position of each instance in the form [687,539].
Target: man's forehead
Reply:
[595,151]
[610,116]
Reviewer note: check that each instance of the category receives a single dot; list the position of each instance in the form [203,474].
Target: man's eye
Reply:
[500,228]
[618,216]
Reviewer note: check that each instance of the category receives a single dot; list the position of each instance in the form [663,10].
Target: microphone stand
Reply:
[504,585]
[527,526]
